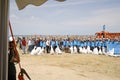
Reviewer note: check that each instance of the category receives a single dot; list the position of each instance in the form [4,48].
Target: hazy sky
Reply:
[72,17]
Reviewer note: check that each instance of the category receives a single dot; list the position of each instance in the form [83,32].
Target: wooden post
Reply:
[4,8]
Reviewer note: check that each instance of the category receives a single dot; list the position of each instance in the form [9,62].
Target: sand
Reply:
[71,67]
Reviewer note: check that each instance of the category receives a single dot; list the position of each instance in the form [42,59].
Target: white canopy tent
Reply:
[4,19]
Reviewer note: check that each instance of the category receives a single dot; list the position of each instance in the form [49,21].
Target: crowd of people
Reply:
[59,45]
[52,45]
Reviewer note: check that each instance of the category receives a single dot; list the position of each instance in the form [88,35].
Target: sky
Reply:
[71,17]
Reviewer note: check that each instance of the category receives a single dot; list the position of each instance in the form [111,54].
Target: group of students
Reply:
[53,45]
[38,46]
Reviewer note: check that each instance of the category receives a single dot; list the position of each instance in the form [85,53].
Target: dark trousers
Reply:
[48,49]
[11,76]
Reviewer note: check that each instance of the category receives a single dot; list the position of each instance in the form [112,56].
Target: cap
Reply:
[10,39]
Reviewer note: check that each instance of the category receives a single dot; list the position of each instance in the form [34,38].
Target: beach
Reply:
[70,67]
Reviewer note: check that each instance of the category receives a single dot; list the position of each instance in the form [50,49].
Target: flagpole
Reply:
[4,11]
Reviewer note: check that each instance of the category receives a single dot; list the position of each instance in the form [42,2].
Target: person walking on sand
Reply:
[24,45]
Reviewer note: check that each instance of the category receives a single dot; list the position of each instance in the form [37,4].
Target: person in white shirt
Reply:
[48,46]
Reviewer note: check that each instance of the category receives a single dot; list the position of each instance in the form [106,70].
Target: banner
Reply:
[116,47]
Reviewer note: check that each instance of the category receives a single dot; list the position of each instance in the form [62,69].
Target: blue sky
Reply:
[72,17]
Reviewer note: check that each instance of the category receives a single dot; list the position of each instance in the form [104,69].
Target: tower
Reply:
[103,28]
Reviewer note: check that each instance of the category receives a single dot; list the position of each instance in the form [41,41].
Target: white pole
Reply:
[4,11]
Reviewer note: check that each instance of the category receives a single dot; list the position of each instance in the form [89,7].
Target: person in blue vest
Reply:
[78,45]
[61,44]
[44,44]
[99,45]
[85,44]
[88,43]
[96,42]
[92,45]
[106,41]
[104,46]
[52,43]
[41,43]
[75,42]
[71,43]
[56,43]
[82,44]
[64,44]
[67,45]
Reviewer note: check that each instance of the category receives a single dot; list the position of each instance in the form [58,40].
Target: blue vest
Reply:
[52,43]
[64,43]
[85,43]
[96,43]
[78,43]
[92,44]
[82,44]
[88,43]
[44,44]
[71,43]
[67,43]
[41,43]
[75,42]
[99,43]
[56,43]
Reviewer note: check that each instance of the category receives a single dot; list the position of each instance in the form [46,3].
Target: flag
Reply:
[23,3]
